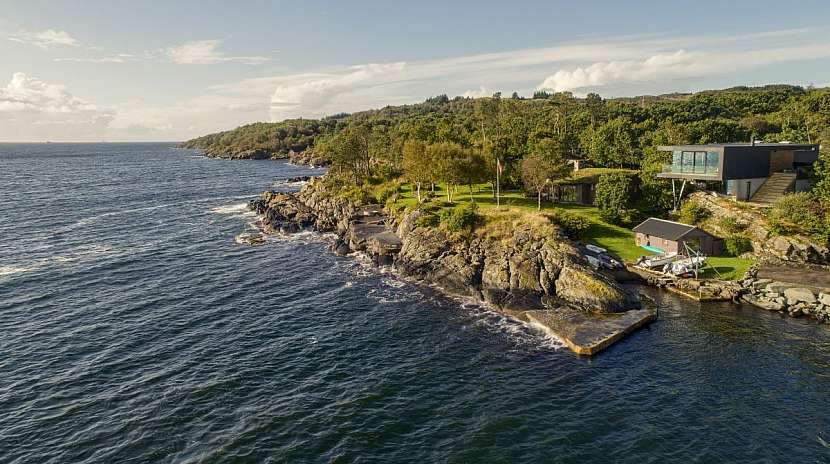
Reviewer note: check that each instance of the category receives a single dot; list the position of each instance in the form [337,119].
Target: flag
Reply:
[499,166]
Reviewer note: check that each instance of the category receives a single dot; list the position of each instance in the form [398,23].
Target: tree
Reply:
[821,187]
[611,144]
[448,159]
[540,168]
[614,193]
[417,165]
[349,151]
[473,169]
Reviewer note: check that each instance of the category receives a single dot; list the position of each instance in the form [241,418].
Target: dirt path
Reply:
[808,277]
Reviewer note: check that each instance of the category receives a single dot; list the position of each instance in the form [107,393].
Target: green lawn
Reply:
[619,241]
[729,268]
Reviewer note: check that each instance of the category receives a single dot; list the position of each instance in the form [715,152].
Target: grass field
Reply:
[619,241]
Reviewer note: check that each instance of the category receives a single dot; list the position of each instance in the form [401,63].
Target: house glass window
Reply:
[712,162]
[695,162]
[688,162]
[700,162]
[567,194]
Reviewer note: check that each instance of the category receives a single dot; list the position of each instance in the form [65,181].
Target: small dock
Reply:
[587,333]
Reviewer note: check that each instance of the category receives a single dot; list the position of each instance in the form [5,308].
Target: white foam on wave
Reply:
[91,219]
[292,185]
[239,208]
[11,270]
[486,316]
[483,315]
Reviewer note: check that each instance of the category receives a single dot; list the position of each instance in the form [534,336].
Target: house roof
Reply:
[758,145]
[662,228]
[591,175]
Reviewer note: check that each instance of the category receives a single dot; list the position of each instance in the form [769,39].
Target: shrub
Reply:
[693,213]
[731,225]
[460,218]
[800,213]
[393,207]
[574,225]
[737,245]
[614,196]
[427,220]
[355,194]
[386,191]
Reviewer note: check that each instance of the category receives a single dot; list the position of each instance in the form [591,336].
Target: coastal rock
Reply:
[767,246]
[764,303]
[824,298]
[308,157]
[250,154]
[282,212]
[340,247]
[798,295]
[524,271]
[250,239]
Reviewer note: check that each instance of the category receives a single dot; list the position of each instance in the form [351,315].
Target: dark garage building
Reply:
[670,236]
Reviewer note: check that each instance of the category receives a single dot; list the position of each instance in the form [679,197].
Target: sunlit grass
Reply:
[619,241]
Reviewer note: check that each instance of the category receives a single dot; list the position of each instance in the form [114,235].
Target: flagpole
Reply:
[498,171]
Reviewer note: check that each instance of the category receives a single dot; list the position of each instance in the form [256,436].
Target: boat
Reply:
[660,260]
[685,266]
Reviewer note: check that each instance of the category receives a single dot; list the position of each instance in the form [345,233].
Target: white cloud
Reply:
[119,58]
[478,93]
[660,66]
[680,64]
[206,52]
[24,93]
[45,39]
[317,93]
[31,109]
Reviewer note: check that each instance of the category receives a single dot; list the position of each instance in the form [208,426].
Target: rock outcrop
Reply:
[767,246]
[252,154]
[524,272]
[308,157]
[521,273]
[791,299]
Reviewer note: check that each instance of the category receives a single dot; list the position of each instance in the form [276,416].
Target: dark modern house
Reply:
[756,172]
[673,237]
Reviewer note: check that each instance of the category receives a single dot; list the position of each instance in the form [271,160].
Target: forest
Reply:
[527,140]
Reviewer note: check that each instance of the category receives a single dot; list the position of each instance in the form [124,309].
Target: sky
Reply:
[168,71]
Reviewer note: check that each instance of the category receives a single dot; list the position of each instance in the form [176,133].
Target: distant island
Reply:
[532,203]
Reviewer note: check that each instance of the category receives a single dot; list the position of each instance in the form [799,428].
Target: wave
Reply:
[11,270]
[232,209]
[91,219]
[396,289]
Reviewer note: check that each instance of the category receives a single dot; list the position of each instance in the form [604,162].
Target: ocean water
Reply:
[133,329]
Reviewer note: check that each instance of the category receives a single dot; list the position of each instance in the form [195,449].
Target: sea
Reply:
[135,329]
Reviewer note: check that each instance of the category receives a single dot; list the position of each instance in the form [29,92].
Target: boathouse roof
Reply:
[662,228]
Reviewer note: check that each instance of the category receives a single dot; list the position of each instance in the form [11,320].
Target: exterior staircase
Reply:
[776,186]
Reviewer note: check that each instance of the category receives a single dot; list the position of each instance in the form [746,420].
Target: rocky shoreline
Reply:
[794,300]
[533,279]
[302,158]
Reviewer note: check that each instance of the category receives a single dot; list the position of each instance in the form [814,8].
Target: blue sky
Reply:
[119,70]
